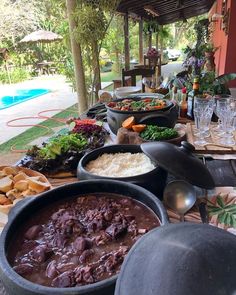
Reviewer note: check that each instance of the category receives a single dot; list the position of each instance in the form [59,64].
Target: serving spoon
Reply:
[180,196]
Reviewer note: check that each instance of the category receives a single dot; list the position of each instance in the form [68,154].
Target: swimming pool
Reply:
[20,96]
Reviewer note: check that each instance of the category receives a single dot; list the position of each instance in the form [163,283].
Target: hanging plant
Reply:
[151,27]
[92,23]
[106,5]
[93,18]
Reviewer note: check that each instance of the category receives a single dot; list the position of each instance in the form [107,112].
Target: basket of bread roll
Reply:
[17,183]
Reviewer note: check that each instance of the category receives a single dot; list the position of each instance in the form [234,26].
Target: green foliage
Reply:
[151,26]
[220,83]
[226,214]
[67,69]
[225,78]
[92,24]
[185,32]
[113,42]
[14,76]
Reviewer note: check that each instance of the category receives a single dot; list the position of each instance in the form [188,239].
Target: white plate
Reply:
[127,90]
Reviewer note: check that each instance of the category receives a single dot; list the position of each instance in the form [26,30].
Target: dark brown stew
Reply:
[79,241]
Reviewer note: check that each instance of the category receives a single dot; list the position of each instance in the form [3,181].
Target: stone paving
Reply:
[60,97]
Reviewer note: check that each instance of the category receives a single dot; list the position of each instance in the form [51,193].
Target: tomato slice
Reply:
[85,121]
[147,100]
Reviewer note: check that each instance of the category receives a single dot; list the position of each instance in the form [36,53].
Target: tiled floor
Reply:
[60,97]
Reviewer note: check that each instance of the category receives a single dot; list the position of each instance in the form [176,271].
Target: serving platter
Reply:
[212,146]
[126,136]
[58,157]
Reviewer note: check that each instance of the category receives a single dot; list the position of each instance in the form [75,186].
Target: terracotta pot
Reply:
[209,53]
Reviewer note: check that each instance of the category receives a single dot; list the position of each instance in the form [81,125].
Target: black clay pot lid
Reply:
[180,162]
[180,259]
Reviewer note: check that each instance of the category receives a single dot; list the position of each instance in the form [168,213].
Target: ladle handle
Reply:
[182,218]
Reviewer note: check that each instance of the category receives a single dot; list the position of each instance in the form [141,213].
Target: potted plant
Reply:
[209,50]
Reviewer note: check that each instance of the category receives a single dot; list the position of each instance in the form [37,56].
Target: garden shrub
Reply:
[16,75]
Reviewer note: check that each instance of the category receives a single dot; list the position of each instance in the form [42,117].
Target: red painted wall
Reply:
[225,56]
[230,65]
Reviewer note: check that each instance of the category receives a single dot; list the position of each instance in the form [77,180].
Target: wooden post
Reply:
[96,70]
[126,35]
[141,41]
[77,59]
[150,40]
[157,45]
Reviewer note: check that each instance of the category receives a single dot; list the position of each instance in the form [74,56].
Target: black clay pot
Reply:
[154,180]
[15,284]
[180,259]
[165,117]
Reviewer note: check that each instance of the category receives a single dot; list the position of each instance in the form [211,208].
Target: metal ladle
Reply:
[180,196]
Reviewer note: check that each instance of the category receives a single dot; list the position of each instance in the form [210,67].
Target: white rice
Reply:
[120,165]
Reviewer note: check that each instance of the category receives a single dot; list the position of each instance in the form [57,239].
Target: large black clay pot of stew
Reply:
[24,210]
[165,117]
[154,181]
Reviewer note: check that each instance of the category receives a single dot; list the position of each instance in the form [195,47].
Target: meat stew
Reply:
[79,241]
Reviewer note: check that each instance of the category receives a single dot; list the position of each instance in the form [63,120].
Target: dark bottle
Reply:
[191,95]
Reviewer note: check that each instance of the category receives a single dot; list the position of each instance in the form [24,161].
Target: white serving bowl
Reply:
[127,90]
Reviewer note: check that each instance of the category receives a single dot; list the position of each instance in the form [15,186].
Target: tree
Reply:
[17,19]
[114,42]
[184,32]
[77,57]
[93,18]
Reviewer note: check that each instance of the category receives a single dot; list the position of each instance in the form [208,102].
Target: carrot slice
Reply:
[139,128]
[128,123]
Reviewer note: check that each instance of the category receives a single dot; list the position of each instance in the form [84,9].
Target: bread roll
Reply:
[6,184]
[38,186]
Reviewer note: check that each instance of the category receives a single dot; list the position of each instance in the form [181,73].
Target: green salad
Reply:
[155,133]
[61,144]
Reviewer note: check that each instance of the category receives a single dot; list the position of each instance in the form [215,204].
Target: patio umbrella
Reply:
[41,36]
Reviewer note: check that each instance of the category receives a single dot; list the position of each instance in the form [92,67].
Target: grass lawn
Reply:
[21,141]
[109,76]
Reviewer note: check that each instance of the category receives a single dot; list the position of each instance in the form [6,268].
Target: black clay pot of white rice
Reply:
[28,212]
[154,180]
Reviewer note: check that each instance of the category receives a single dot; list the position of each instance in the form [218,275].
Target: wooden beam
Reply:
[126,35]
[179,9]
[141,41]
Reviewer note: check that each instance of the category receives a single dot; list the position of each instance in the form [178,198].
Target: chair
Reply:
[153,61]
[144,72]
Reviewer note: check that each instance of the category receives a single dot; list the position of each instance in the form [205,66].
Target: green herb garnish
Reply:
[153,132]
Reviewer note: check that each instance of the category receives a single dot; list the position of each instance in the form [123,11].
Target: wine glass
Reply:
[225,108]
[203,110]
[219,128]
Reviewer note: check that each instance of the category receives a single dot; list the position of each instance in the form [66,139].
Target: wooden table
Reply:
[44,67]
[223,172]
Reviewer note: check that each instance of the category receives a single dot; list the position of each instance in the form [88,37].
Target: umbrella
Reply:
[41,36]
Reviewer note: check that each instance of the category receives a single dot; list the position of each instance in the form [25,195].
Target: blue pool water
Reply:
[20,96]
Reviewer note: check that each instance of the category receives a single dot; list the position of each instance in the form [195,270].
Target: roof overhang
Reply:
[165,11]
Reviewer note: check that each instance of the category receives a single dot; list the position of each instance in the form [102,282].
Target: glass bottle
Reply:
[174,94]
[183,103]
[191,95]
